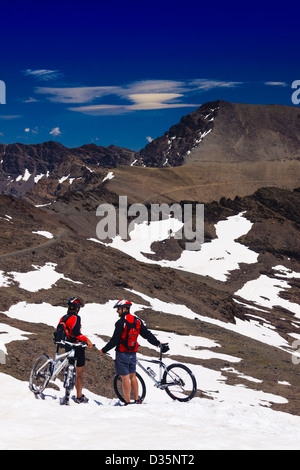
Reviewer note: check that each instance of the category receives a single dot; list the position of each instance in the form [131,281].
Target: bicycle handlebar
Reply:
[162,345]
[76,345]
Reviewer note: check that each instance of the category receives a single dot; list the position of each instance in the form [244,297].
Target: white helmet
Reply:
[123,303]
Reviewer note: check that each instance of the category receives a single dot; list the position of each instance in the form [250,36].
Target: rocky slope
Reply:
[43,171]
[99,273]
[220,150]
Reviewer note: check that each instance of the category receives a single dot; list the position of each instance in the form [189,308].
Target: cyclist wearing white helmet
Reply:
[124,339]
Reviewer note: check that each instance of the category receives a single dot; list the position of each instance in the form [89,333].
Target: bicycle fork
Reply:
[69,377]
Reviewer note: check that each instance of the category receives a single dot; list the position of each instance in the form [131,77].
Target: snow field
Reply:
[202,424]
[232,417]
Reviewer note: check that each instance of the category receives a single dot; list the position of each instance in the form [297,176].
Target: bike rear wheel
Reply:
[40,374]
[180,381]
[119,388]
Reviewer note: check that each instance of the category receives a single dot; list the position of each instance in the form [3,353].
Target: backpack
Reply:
[131,333]
[60,333]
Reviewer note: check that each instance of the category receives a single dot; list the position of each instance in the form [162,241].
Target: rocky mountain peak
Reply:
[220,131]
[172,148]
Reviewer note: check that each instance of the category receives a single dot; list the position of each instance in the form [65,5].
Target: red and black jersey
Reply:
[120,331]
[73,327]
[134,323]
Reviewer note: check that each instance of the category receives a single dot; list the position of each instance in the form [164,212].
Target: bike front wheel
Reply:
[69,382]
[40,374]
[119,388]
[180,383]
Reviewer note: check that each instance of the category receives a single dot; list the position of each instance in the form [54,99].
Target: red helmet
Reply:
[75,302]
[123,303]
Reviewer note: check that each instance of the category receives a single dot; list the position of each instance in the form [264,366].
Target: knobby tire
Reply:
[40,374]
[181,382]
[119,389]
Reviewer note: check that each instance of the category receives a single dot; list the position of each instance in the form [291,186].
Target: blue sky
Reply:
[124,73]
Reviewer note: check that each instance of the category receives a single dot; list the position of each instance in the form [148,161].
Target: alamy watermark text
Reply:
[296,93]
[122,220]
[2,92]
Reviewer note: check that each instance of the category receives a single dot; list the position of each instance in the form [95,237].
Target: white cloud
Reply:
[153,100]
[154,86]
[89,94]
[55,131]
[206,84]
[34,130]
[30,100]
[276,84]
[98,110]
[76,94]
[149,138]
[135,96]
[8,117]
[139,102]
[43,74]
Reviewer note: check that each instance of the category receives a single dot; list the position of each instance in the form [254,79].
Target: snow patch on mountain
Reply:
[215,259]
[42,277]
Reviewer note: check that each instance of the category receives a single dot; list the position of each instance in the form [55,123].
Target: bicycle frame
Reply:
[46,369]
[59,365]
[162,368]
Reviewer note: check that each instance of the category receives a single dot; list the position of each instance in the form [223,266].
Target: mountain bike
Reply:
[45,369]
[177,380]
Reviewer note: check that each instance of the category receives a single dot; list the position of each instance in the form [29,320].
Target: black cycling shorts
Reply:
[79,355]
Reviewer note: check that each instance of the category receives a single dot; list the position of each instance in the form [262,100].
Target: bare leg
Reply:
[135,386]
[126,387]
[79,381]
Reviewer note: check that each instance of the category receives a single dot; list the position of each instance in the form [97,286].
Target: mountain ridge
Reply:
[210,152]
[221,131]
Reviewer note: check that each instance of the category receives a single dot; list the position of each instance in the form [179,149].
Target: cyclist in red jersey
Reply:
[73,331]
[125,362]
